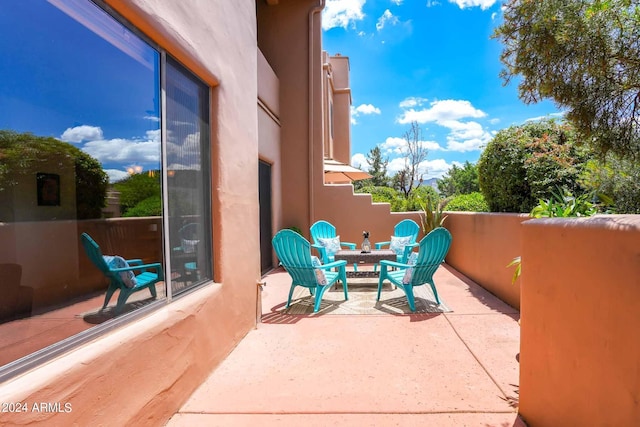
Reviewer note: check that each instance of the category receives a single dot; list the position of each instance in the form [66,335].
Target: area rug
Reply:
[362,300]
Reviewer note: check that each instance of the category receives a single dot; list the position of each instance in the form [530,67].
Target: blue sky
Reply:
[427,61]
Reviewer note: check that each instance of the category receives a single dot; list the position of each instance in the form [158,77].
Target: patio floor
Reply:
[458,368]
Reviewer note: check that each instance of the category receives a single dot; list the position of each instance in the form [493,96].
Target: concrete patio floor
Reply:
[448,369]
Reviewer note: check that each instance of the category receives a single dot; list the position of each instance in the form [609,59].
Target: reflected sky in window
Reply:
[72,72]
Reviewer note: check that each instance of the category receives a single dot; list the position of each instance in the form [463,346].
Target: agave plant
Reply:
[432,215]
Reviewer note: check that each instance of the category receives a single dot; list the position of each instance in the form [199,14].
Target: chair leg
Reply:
[435,293]
[343,279]
[290,295]
[122,299]
[152,289]
[110,290]
[383,275]
[408,290]
[319,292]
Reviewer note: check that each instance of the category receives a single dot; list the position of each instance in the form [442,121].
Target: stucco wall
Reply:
[269,137]
[141,374]
[580,318]
[483,245]
[286,48]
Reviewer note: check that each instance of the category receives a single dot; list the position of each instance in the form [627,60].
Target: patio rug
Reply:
[362,300]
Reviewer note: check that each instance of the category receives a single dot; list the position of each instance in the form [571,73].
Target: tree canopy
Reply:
[459,180]
[583,54]
[24,153]
[523,164]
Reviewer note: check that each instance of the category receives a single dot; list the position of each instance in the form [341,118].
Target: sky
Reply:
[432,62]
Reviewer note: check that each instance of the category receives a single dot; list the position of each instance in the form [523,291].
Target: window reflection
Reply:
[80,150]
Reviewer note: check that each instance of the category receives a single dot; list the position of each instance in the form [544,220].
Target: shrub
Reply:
[473,202]
[523,164]
[151,206]
[386,195]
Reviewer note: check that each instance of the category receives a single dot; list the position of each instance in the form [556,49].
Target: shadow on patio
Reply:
[455,368]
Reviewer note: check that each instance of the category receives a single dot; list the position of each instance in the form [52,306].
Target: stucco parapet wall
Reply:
[610,222]
[138,374]
[268,86]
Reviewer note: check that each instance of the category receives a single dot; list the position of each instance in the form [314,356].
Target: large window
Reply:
[90,147]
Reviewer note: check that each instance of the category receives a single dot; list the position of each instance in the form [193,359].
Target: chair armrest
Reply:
[322,251]
[351,246]
[407,251]
[155,266]
[379,245]
[333,264]
[393,264]
[135,261]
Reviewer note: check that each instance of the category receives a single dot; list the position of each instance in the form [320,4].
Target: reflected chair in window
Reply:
[405,234]
[294,253]
[433,249]
[121,274]
[186,255]
[326,241]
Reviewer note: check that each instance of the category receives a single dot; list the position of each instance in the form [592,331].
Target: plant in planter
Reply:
[432,215]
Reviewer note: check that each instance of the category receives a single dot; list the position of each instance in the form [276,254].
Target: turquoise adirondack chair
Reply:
[325,230]
[433,249]
[294,253]
[145,279]
[405,228]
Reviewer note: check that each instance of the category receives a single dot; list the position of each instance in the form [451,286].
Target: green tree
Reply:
[137,188]
[472,202]
[523,164]
[585,55]
[24,153]
[618,180]
[377,167]
[459,180]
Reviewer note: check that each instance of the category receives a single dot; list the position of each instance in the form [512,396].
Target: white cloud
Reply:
[152,118]
[398,146]
[448,109]
[387,16]
[359,160]
[81,133]
[430,168]
[397,2]
[411,102]
[342,13]
[116,175]
[124,150]
[466,136]
[367,109]
[364,109]
[483,4]
[431,3]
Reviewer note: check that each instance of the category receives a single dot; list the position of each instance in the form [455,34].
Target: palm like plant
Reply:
[432,215]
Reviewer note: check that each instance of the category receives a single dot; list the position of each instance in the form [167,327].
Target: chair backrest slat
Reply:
[407,227]
[323,230]
[294,252]
[433,250]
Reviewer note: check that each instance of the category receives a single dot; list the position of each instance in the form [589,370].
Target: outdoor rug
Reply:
[362,300]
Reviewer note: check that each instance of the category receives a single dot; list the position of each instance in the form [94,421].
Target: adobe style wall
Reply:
[482,247]
[580,316]
[141,373]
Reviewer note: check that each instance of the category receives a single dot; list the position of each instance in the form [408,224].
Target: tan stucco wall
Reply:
[141,374]
[269,137]
[482,247]
[580,318]
[286,48]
